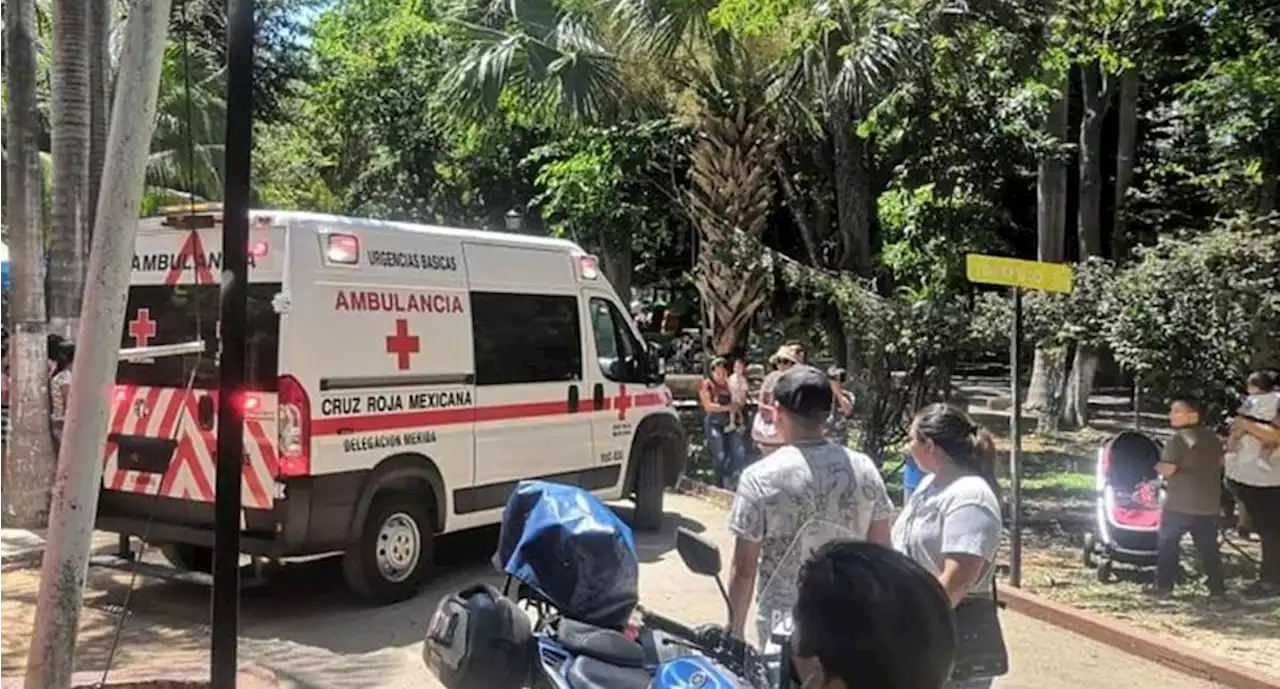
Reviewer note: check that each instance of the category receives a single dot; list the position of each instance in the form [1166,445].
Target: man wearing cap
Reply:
[808,478]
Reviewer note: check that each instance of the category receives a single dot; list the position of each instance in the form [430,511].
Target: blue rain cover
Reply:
[572,550]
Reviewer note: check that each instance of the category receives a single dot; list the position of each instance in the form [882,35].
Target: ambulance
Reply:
[401,380]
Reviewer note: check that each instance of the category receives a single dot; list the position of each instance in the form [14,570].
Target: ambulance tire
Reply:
[649,489]
[399,529]
[188,557]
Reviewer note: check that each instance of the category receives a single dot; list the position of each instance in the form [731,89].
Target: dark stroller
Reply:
[1127,512]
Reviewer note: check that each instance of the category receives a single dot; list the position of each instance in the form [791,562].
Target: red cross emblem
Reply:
[402,344]
[622,402]
[142,328]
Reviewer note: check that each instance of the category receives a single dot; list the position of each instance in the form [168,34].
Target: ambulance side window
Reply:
[526,338]
[616,347]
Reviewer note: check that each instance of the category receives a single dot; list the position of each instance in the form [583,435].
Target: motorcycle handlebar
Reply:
[668,625]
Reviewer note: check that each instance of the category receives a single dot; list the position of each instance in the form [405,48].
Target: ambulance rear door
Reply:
[162,439]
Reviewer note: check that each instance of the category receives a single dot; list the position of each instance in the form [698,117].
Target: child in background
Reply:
[739,389]
[1261,406]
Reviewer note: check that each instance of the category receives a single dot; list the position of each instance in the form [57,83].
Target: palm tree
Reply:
[28,466]
[69,91]
[586,65]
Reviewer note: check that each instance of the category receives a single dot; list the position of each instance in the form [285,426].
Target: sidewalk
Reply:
[22,548]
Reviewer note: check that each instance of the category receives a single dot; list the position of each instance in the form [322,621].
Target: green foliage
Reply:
[1196,312]
[611,187]
[895,343]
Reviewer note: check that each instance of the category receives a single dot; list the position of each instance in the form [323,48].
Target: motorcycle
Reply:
[665,653]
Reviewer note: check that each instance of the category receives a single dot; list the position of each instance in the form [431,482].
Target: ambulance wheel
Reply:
[649,489]
[188,557]
[390,561]
[1089,546]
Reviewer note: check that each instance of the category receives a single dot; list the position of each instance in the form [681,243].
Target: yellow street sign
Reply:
[1015,272]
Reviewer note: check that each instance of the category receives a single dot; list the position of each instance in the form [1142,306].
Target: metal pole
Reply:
[1015,447]
[235,275]
[1137,402]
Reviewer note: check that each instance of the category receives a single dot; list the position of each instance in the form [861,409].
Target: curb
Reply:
[721,497]
[1125,637]
[1154,647]
[31,559]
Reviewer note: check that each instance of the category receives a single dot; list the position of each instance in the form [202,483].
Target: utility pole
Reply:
[79,475]
[235,276]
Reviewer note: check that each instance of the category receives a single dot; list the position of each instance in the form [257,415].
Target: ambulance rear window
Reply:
[163,314]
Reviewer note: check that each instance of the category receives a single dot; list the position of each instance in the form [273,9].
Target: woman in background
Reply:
[763,430]
[724,443]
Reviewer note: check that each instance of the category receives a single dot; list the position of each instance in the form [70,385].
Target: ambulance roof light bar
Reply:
[192,216]
[136,355]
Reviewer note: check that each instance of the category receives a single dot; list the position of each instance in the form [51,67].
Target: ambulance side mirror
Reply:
[653,364]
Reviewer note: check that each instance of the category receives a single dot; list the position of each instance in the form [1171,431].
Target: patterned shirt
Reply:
[797,484]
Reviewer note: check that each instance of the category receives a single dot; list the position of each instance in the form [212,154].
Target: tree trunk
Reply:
[1126,149]
[1270,188]
[617,268]
[1089,212]
[1055,360]
[731,192]
[799,214]
[852,189]
[1075,405]
[99,97]
[75,495]
[1051,228]
[28,462]
[1089,226]
[69,92]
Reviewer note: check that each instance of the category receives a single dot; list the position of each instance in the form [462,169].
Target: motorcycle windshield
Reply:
[778,597]
[572,550]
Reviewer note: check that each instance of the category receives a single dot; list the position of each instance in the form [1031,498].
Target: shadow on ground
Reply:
[303,622]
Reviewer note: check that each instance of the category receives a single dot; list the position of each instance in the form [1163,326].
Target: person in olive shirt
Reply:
[1191,463]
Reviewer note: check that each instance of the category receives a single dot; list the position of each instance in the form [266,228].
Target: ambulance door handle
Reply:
[597,396]
[573,399]
[205,412]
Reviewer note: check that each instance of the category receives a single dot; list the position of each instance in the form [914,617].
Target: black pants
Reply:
[1263,505]
[1204,533]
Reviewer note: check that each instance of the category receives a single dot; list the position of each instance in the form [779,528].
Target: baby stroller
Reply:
[1127,512]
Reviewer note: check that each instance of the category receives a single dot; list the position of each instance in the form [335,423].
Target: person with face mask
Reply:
[867,616]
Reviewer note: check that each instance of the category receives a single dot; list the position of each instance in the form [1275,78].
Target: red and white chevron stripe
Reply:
[191,472]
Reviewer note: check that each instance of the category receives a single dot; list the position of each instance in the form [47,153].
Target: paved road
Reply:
[307,629]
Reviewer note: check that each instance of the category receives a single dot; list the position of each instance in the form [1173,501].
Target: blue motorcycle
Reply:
[569,608]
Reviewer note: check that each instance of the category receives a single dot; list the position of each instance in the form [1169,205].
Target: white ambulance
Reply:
[401,380]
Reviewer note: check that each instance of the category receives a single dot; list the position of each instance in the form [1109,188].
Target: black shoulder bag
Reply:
[980,649]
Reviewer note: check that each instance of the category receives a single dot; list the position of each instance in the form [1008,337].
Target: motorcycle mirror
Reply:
[699,555]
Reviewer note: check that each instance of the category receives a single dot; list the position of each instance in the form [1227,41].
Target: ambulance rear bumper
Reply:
[313,519]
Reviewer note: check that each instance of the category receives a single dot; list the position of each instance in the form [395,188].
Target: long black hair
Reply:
[969,445]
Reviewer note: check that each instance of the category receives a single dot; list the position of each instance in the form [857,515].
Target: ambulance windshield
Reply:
[174,314]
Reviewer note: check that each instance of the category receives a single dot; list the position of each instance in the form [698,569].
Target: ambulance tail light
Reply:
[588,267]
[293,417]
